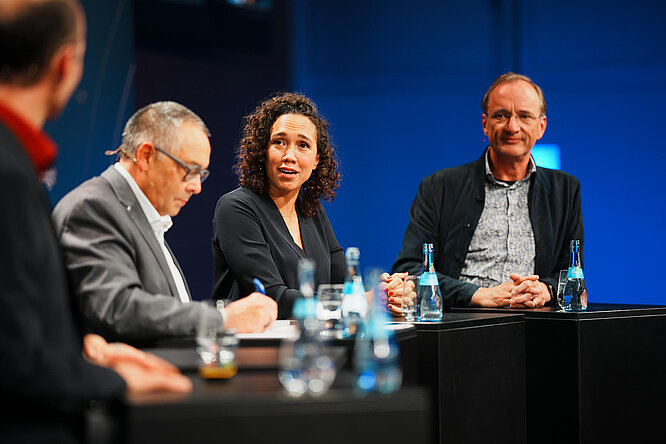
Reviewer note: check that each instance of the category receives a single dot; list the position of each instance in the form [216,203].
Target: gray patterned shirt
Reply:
[503,242]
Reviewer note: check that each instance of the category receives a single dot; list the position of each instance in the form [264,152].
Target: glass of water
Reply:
[329,310]
[209,324]
[561,285]
[409,298]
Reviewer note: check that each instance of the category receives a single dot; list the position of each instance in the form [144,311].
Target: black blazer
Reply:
[45,383]
[250,239]
[447,209]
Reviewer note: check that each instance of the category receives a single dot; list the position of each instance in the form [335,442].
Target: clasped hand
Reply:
[393,289]
[518,292]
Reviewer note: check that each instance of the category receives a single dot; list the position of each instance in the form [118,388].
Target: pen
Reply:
[258,286]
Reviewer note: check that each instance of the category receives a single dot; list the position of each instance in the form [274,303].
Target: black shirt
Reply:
[251,239]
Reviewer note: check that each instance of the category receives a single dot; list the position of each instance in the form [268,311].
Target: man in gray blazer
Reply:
[111,228]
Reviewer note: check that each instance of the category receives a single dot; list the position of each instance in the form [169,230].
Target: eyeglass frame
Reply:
[505,116]
[196,170]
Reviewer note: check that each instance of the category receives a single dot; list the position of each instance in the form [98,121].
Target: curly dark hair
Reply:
[251,161]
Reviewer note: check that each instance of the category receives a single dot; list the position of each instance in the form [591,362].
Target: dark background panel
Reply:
[220,61]
[93,120]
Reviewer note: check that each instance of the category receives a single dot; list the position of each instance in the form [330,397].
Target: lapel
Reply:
[306,225]
[537,202]
[282,226]
[180,270]
[131,205]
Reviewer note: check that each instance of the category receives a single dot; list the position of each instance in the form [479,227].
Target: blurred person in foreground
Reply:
[286,165]
[48,372]
[112,228]
[501,225]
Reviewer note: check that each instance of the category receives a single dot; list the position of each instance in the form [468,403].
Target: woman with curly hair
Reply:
[286,165]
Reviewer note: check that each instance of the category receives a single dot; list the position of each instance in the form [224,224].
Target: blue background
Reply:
[401,84]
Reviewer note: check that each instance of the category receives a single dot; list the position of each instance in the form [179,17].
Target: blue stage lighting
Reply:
[547,156]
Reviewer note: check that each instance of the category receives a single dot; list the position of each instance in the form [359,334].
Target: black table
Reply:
[404,337]
[474,364]
[252,407]
[594,376]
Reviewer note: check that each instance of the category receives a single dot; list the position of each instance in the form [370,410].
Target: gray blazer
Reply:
[116,267]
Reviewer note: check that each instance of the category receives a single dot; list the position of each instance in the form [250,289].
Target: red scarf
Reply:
[40,148]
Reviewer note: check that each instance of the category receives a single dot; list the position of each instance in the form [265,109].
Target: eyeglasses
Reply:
[192,171]
[522,117]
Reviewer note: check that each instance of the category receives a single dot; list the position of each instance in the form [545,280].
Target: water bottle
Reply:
[354,303]
[429,297]
[304,368]
[375,351]
[575,291]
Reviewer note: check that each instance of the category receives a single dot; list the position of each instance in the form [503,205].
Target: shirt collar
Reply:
[40,148]
[159,224]
[531,168]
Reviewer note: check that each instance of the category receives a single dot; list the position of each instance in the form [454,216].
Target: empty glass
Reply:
[329,310]
[304,368]
[215,346]
[227,341]
[561,285]
[409,298]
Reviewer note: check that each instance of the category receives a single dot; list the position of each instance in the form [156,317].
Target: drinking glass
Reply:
[409,299]
[227,343]
[214,344]
[206,338]
[304,367]
[291,373]
[329,310]
[561,285]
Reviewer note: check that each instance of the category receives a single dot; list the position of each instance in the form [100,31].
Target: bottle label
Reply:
[428,278]
[575,273]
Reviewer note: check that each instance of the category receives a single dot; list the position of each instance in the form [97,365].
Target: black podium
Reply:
[474,365]
[594,376]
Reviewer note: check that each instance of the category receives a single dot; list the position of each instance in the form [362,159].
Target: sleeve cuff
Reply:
[219,305]
[549,286]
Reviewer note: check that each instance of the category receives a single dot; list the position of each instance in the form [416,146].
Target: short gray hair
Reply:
[158,123]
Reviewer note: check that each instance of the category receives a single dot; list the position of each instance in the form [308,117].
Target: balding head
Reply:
[31,32]
[513,77]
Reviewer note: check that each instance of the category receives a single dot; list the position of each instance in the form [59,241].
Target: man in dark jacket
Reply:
[45,381]
[501,225]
